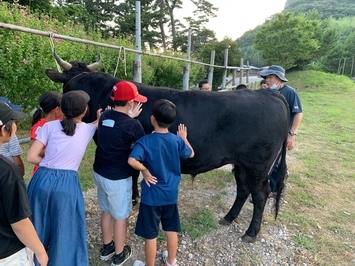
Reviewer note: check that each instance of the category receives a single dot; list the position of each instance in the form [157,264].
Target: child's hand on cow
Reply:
[136,110]
[182,131]
[148,178]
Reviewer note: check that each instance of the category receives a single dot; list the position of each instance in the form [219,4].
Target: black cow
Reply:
[245,128]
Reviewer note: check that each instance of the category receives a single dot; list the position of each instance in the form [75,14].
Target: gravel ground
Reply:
[223,246]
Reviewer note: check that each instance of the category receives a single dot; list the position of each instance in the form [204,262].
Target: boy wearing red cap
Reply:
[117,131]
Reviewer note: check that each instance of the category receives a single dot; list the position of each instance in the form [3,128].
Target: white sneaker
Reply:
[139,263]
[165,257]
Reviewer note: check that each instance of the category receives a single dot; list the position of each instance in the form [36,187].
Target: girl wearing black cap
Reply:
[49,110]
[18,238]
[54,191]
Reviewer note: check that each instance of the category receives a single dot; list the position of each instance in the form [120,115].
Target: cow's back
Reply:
[240,127]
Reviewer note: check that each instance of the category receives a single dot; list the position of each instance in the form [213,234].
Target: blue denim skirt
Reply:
[58,215]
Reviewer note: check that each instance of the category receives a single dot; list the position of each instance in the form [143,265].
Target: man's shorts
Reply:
[22,257]
[114,196]
[149,217]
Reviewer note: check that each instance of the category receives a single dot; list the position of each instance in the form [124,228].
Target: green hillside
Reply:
[328,8]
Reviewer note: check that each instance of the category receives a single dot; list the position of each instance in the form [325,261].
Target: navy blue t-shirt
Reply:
[161,153]
[115,135]
[293,100]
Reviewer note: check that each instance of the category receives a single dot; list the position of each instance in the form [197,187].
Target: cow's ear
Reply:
[56,76]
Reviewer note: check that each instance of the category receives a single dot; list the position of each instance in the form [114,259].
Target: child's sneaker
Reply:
[165,258]
[107,251]
[119,259]
[139,263]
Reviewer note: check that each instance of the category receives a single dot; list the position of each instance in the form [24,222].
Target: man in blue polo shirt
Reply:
[275,80]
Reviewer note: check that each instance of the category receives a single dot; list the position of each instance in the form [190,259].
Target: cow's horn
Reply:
[95,65]
[64,64]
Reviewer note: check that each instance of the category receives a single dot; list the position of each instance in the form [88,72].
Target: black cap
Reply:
[74,103]
[7,114]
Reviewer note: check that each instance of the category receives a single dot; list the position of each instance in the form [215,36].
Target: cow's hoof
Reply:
[248,239]
[223,221]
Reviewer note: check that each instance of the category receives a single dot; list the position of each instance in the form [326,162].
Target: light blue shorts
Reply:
[114,196]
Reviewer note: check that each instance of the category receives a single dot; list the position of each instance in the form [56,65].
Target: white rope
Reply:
[52,47]
[123,61]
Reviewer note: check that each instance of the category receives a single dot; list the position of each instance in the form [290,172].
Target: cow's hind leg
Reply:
[260,191]
[135,191]
[242,195]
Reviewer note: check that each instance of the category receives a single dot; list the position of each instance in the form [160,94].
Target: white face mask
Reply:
[130,111]
[274,86]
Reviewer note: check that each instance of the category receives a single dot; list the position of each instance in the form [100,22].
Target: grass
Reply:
[321,188]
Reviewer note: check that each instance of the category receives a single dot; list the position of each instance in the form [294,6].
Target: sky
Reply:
[237,16]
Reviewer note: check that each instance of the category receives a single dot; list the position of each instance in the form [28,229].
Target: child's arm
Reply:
[34,153]
[26,233]
[182,133]
[98,114]
[149,179]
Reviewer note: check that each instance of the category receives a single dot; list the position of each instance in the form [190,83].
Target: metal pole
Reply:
[210,71]
[73,39]
[225,69]
[137,69]
[185,81]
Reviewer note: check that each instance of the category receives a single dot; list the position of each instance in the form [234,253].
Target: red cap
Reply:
[126,91]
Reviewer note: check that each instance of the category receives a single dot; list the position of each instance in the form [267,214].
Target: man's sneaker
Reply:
[139,263]
[119,259]
[165,258]
[107,251]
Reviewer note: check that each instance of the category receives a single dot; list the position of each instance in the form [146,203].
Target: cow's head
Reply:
[80,76]
[70,70]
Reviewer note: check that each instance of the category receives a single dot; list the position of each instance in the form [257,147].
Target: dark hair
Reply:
[48,101]
[263,81]
[68,125]
[164,112]
[202,82]
[240,87]
[8,127]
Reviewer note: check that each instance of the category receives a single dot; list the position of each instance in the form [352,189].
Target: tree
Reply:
[287,40]
[327,8]
[204,10]
[219,47]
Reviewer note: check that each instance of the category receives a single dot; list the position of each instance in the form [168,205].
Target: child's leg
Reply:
[120,234]
[106,227]
[172,241]
[150,251]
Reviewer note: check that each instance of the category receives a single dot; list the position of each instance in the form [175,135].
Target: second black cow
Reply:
[245,128]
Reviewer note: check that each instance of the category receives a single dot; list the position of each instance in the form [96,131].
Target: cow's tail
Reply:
[281,173]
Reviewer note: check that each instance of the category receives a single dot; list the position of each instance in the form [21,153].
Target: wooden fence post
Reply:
[137,67]
[210,71]
[241,71]
[225,69]
[185,80]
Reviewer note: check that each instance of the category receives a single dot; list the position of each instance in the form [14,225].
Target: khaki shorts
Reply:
[23,257]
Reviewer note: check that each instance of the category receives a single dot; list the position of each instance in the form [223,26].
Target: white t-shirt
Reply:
[62,151]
